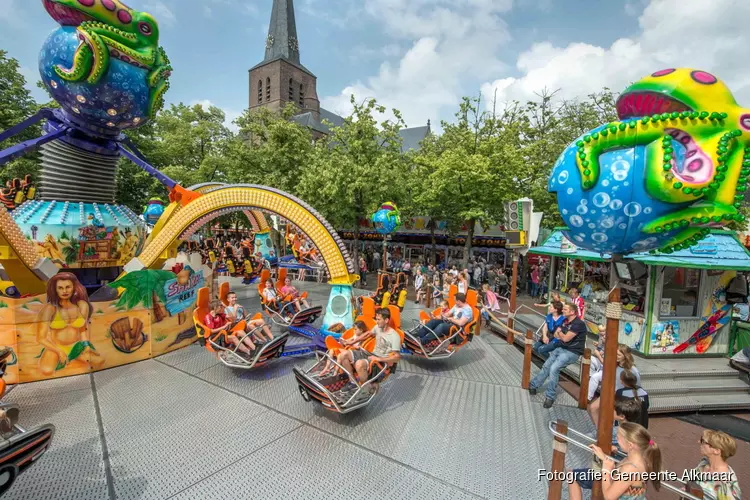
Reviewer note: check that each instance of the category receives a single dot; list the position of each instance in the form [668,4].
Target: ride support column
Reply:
[607,394]
[513,287]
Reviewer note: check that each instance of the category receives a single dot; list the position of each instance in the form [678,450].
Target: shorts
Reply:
[581,476]
[360,354]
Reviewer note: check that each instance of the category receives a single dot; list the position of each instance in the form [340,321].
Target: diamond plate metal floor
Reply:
[185,426]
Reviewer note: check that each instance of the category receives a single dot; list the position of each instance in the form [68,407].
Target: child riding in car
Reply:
[291,294]
[360,331]
[236,312]
[387,350]
[217,321]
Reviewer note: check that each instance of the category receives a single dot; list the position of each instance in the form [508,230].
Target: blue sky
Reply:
[421,56]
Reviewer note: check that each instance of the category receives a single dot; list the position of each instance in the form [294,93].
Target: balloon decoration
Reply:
[387,219]
[153,211]
[674,166]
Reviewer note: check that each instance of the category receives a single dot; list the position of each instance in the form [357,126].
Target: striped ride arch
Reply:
[256,217]
[217,199]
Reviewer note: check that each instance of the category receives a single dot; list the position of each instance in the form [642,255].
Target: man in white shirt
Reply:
[459,316]
[387,349]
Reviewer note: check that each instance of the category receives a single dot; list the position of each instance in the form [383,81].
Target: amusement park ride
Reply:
[104,67]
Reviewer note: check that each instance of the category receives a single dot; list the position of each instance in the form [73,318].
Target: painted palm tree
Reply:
[145,287]
[70,251]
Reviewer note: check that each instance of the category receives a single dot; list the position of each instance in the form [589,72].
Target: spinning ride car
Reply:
[437,346]
[281,308]
[342,391]
[19,448]
[397,294]
[218,342]
[251,266]
[229,260]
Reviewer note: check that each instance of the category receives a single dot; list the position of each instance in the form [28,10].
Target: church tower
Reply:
[281,78]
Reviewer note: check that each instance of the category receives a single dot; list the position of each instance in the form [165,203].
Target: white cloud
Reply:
[229,114]
[161,12]
[673,33]
[635,7]
[448,40]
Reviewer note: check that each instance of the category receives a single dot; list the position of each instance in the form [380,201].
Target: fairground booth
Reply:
[673,304]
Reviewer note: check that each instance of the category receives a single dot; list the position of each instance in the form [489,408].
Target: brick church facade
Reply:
[281,78]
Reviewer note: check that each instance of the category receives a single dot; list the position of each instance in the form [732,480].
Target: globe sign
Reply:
[153,211]
[387,219]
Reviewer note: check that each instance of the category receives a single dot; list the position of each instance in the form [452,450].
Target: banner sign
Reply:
[181,292]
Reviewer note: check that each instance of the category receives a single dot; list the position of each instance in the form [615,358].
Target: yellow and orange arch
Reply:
[216,199]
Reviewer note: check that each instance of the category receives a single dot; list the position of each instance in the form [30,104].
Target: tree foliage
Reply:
[486,156]
[16,104]
[357,167]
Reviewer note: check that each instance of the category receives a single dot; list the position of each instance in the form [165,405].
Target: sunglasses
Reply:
[703,441]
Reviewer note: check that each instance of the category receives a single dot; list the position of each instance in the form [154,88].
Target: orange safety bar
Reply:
[368,307]
[452,295]
[280,278]
[223,292]
[395,321]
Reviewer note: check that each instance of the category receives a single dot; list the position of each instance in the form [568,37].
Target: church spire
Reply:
[282,33]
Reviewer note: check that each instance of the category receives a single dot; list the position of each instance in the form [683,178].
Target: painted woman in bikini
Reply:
[63,325]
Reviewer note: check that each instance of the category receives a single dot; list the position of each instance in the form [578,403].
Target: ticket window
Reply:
[679,298]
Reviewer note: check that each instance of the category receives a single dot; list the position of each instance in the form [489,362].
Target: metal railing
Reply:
[562,437]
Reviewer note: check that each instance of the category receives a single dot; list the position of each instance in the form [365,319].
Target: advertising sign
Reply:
[181,291]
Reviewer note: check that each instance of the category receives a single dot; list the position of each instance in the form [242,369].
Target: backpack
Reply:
[737,290]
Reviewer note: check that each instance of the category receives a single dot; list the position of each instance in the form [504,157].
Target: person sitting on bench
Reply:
[459,316]
[236,312]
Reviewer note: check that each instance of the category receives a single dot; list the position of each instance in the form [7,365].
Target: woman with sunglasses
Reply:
[717,477]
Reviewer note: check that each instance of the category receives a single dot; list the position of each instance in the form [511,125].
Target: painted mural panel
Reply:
[121,336]
[65,332]
[8,340]
[7,311]
[707,333]
[54,332]
[82,235]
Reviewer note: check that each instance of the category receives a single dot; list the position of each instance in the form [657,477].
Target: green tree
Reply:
[16,104]
[273,150]
[357,167]
[465,171]
[187,143]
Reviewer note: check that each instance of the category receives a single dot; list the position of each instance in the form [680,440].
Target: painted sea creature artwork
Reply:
[673,167]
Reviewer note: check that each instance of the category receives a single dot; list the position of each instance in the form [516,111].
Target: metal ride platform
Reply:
[185,426]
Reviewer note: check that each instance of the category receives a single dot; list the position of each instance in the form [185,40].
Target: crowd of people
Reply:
[562,342]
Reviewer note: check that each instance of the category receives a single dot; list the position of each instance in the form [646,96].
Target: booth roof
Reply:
[719,250]
[551,246]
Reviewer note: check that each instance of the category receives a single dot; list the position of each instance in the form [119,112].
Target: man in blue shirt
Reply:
[572,335]
[459,316]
